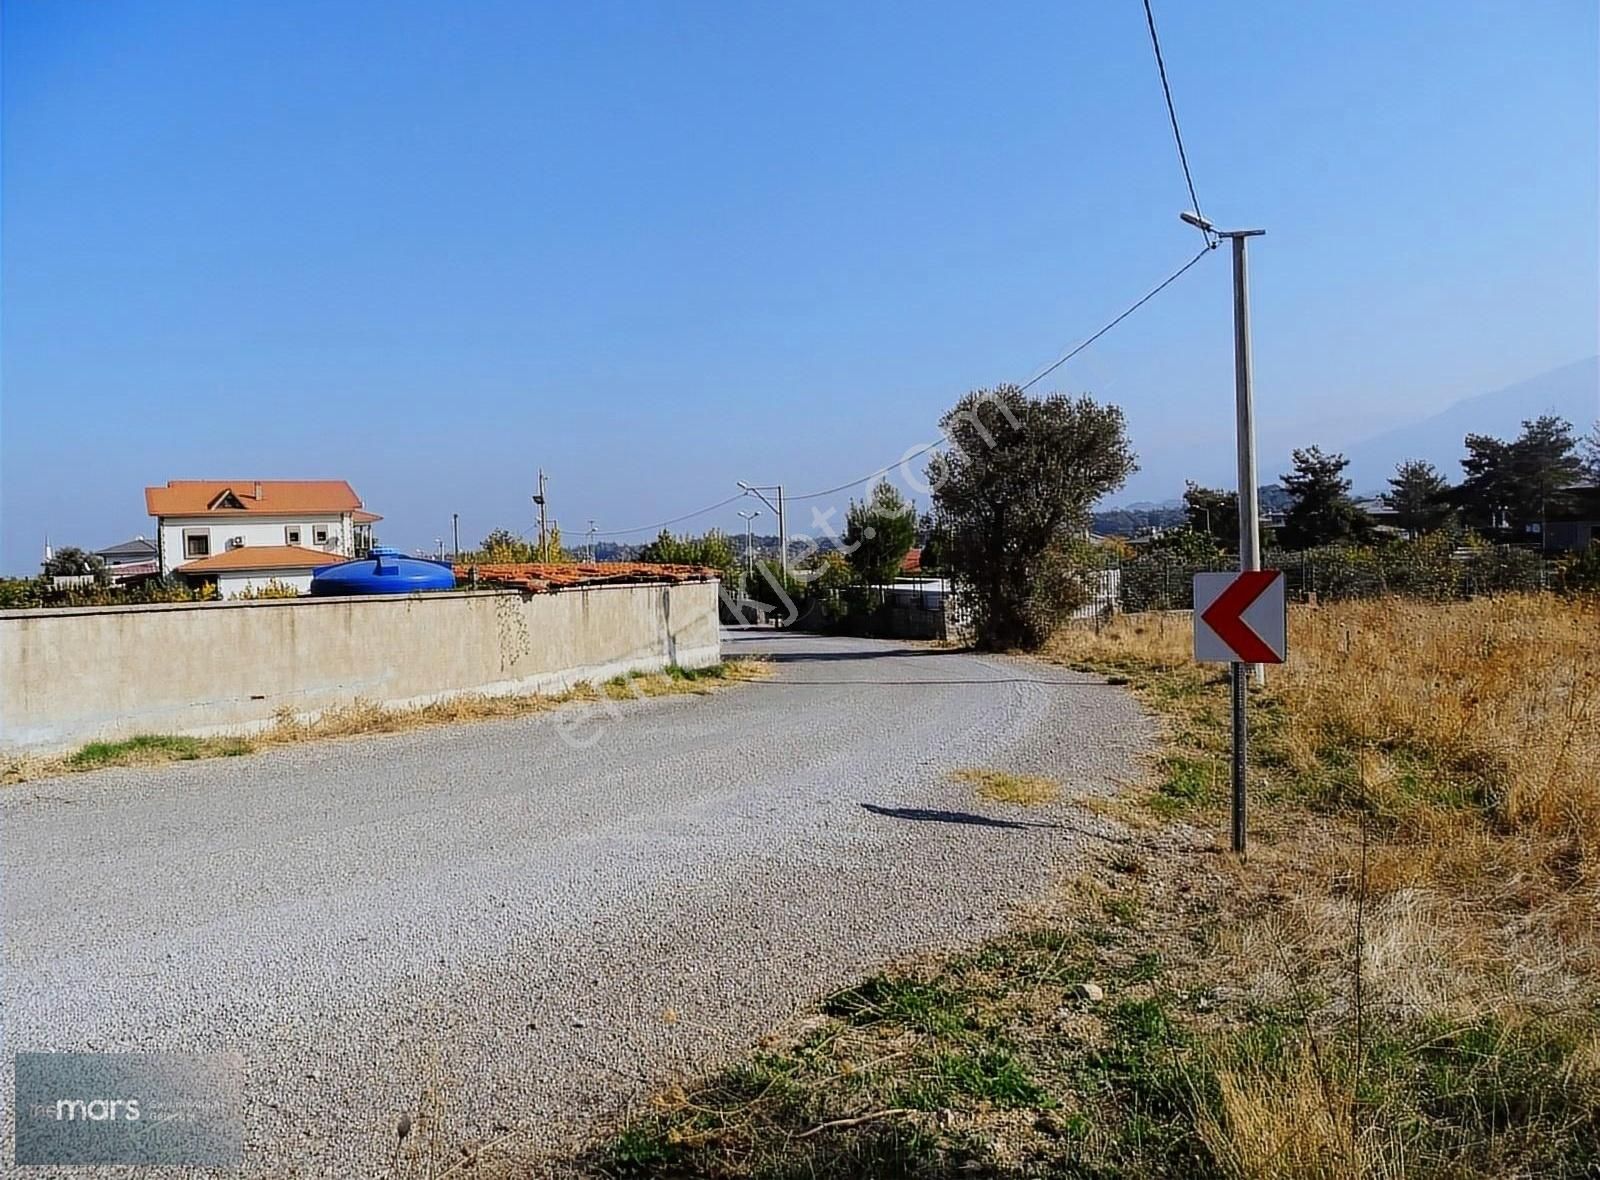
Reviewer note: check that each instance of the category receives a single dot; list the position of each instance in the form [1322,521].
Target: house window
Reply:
[291,535]
[197,542]
[320,534]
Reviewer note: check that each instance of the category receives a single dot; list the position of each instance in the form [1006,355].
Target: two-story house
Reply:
[286,525]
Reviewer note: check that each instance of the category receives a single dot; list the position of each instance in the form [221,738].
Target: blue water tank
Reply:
[385,572]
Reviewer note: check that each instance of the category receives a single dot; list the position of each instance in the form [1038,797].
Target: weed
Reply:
[1025,790]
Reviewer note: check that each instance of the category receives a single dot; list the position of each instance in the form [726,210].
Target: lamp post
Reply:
[749,551]
[1249,508]
[783,532]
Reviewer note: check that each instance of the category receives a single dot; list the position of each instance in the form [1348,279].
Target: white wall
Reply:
[75,675]
[256,529]
[231,584]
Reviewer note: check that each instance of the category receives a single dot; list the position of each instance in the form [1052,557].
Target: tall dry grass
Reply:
[1426,824]
[1400,704]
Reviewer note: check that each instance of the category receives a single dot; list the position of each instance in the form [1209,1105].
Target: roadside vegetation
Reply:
[364,718]
[1401,980]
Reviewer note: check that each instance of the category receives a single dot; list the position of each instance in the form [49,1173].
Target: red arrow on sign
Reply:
[1225,616]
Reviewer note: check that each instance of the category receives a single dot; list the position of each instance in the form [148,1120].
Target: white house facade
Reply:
[201,519]
[258,569]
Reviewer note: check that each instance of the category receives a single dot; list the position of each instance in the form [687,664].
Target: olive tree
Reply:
[1012,498]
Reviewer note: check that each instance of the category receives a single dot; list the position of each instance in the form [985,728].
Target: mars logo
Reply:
[97,1110]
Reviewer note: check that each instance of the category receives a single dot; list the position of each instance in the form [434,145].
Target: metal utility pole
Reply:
[749,549]
[539,500]
[1249,505]
[783,531]
[591,540]
[455,536]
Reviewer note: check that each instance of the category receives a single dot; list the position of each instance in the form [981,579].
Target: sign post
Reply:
[1240,619]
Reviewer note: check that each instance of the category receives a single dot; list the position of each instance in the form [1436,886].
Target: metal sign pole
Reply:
[1249,505]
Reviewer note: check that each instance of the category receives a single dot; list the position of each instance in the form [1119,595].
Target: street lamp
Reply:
[1249,507]
[749,552]
[783,532]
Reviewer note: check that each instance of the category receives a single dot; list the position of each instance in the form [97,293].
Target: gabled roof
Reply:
[261,557]
[236,497]
[136,549]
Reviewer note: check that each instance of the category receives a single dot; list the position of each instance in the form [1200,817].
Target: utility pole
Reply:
[591,540]
[1249,506]
[539,500]
[783,531]
[455,536]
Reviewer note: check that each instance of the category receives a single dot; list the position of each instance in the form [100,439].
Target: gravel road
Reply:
[519,933]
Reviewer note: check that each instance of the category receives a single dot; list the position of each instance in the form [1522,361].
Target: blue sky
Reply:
[658,248]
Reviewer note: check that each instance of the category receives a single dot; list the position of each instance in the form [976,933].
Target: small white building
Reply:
[257,568]
[197,519]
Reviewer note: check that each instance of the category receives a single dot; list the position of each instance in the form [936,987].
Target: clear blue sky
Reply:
[657,248]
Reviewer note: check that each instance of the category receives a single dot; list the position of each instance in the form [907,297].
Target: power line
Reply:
[659,525]
[1031,382]
[1148,296]
[1172,112]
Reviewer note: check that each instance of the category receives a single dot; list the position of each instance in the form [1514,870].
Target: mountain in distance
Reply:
[1571,392]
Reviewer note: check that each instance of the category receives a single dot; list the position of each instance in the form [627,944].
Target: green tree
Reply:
[1590,450]
[1420,497]
[1011,496]
[878,534]
[1213,512]
[1487,490]
[1321,511]
[1545,464]
[72,562]
[504,546]
[714,551]
[1510,485]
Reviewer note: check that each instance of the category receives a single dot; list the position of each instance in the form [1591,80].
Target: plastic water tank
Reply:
[387,571]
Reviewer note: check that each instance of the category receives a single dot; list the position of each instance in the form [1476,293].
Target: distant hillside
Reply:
[1571,392]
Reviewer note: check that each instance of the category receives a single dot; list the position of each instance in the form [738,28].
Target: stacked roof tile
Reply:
[546,578]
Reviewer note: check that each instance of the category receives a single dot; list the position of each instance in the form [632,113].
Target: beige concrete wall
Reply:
[72,676]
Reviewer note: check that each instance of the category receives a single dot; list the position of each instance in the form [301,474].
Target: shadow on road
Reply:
[887,653]
[932,815]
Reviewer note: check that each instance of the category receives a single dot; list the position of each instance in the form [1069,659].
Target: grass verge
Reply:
[363,718]
[1403,979]
[1025,790]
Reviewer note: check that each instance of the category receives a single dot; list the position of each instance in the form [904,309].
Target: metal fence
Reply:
[1165,581]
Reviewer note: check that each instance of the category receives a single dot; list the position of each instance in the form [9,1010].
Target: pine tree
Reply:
[878,534]
[1420,497]
[1321,511]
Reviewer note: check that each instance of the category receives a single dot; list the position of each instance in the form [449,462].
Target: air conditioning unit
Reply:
[235,542]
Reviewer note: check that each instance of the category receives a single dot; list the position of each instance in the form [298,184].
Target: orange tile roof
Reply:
[261,557]
[912,563]
[362,516]
[194,497]
[543,578]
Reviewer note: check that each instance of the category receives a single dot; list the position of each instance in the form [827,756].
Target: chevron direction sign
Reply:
[1240,618]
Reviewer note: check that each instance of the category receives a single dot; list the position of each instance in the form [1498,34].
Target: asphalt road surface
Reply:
[512,927]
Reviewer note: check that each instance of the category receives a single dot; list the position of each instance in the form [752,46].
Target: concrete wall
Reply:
[72,676]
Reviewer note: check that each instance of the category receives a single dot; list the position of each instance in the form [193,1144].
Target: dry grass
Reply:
[1024,790]
[365,718]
